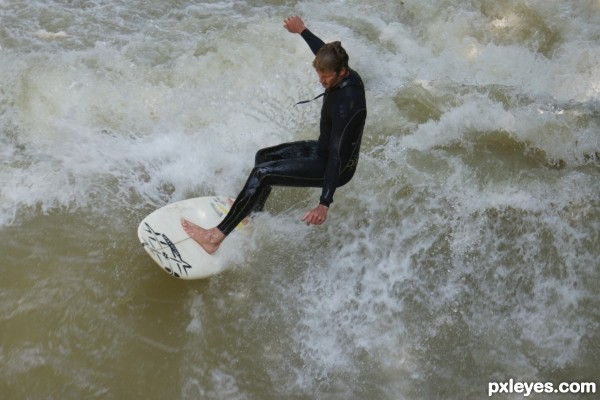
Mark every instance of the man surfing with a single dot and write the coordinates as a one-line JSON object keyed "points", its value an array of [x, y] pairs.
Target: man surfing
{"points": [[327, 163]]}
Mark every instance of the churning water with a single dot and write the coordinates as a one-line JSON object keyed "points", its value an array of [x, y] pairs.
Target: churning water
{"points": [[465, 250]]}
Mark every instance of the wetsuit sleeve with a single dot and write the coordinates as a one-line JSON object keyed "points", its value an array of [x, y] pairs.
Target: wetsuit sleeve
{"points": [[347, 122], [312, 40], [333, 168]]}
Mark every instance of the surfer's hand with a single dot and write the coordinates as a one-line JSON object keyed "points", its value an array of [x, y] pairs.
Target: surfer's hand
{"points": [[294, 24], [316, 216]]}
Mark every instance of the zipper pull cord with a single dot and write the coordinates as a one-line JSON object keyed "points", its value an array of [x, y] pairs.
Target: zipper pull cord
{"points": [[308, 101]]}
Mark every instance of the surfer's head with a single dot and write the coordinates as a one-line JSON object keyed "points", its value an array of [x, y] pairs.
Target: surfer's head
{"points": [[331, 63]]}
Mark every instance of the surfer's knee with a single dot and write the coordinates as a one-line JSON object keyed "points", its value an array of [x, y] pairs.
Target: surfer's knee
{"points": [[261, 156]]}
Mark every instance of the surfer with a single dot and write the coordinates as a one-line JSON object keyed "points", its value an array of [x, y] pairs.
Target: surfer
{"points": [[327, 163]]}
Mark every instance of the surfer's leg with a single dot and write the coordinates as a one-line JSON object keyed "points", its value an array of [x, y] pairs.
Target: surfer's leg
{"points": [[263, 195], [284, 151], [306, 169], [292, 150], [302, 172], [263, 156], [270, 160], [246, 200]]}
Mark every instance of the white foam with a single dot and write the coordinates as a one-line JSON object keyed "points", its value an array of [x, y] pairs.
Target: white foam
{"points": [[44, 34]]}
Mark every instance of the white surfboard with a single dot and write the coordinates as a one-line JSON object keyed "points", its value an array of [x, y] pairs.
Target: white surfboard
{"points": [[163, 237]]}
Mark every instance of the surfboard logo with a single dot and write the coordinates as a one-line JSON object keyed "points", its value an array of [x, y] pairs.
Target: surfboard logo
{"points": [[219, 207], [159, 245]]}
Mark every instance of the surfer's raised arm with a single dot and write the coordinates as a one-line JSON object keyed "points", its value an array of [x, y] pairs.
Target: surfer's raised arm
{"points": [[295, 24]]}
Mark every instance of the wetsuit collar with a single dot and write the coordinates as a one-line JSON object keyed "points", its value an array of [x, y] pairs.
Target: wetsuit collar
{"points": [[346, 81]]}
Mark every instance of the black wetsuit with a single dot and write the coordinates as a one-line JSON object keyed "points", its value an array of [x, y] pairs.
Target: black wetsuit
{"points": [[329, 162]]}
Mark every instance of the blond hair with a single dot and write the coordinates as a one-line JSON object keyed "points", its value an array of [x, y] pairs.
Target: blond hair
{"points": [[331, 57]]}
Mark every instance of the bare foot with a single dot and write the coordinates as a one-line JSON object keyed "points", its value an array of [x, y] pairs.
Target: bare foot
{"points": [[209, 239]]}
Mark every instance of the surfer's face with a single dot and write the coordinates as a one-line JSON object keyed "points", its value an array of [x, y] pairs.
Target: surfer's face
{"points": [[330, 78]]}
